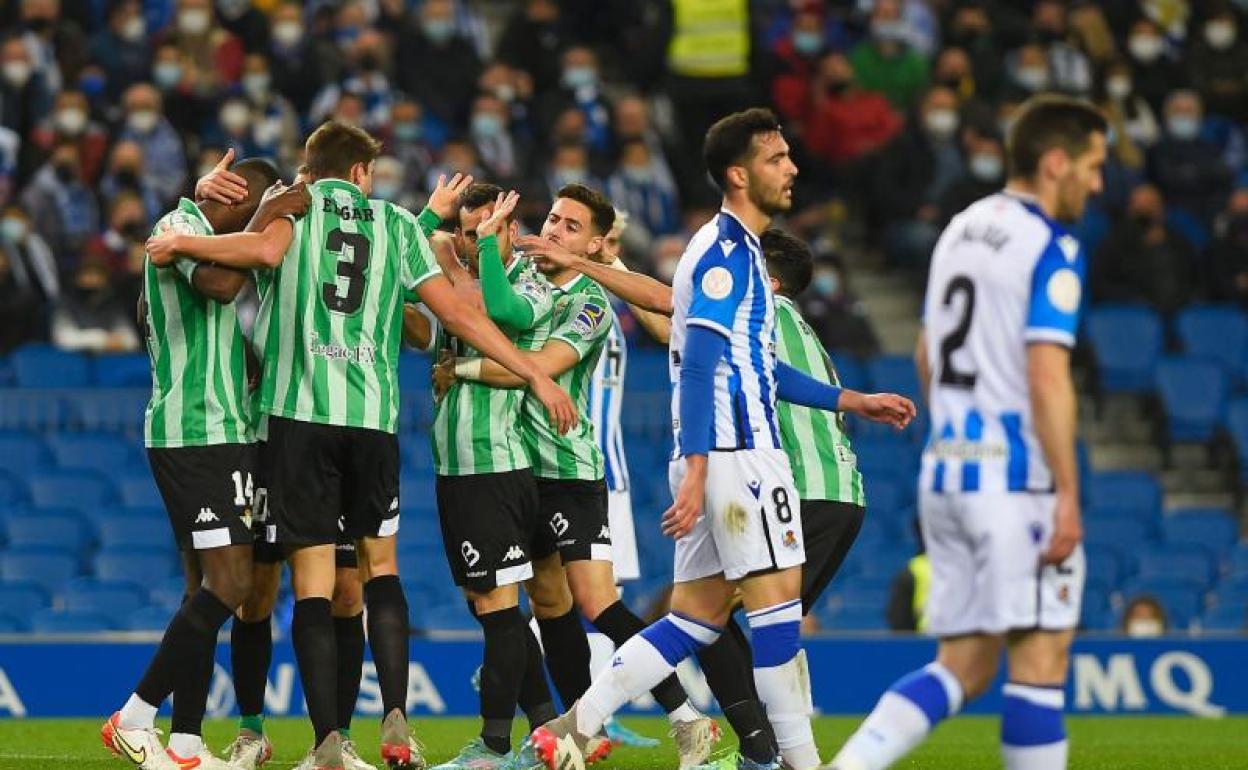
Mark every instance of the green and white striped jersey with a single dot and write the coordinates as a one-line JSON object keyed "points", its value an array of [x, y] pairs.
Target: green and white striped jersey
{"points": [[199, 372], [331, 319], [476, 428], [582, 318], [824, 466]]}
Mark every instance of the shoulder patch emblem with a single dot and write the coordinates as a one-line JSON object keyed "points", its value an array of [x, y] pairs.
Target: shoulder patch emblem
{"points": [[1064, 290], [717, 283], [589, 318]]}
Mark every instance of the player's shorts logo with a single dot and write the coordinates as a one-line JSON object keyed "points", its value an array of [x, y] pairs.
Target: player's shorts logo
{"points": [[205, 515], [559, 524], [471, 555], [790, 539], [514, 552]]}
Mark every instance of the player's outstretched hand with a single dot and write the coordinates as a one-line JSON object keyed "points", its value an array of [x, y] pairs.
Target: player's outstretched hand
{"points": [[221, 184], [445, 195], [160, 248], [503, 206], [443, 374], [559, 406], [1067, 530], [678, 520], [546, 252], [888, 408]]}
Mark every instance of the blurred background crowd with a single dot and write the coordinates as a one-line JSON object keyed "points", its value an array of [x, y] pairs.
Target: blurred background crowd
{"points": [[896, 109]]}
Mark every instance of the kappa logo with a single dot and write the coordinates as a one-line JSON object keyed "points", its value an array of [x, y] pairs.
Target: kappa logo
{"points": [[205, 515], [605, 532], [394, 504], [559, 524], [514, 552], [471, 555], [756, 487]]}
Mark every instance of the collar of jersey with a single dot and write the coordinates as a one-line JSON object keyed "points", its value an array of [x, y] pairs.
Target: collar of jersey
{"points": [[784, 300], [340, 184], [517, 265], [571, 286], [744, 227], [188, 205], [1032, 204]]}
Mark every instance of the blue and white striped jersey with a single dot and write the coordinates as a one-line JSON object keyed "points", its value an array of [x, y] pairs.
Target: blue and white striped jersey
{"points": [[1003, 275], [606, 395], [721, 284]]}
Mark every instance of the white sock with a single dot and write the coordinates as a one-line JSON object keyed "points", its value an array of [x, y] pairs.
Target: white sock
{"points": [[685, 712], [785, 689], [185, 745], [1049, 757], [601, 648], [902, 719], [138, 714]]}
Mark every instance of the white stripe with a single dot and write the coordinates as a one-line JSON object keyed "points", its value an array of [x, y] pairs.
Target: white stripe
{"points": [[698, 631], [515, 574], [388, 526], [1046, 697], [270, 533], [953, 689], [599, 552], [210, 538], [787, 612], [1036, 334]]}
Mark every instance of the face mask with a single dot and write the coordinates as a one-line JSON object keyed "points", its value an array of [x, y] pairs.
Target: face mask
{"points": [[370, 62], [287, 33], [826, 283], [941, 123], [16, 73], [637, 174], [1118, 87], [256, 85], [889, 31], [345, 37], [579, 77], [91, 84], [1183, 126], [142, 121], [133, 29], [127, 178], [408, 131], [487, 125], [234, 117], [70, 120], [385, 189], [573, 175], [167, 75], [438, 30], [985, 167], [1032, 78], [807, 43], [1146, 48], [1145, 627], [194, 21], [837, 87], [506, 92], [13, 229], [1220, 35], [66, 172]]}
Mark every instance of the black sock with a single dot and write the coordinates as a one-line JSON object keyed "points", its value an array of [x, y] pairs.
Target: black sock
{"points": [[534, 698], [619, 624], [567, 655], [349, 633], [729, 671], [389, 635], [312, 632], [190, 638], [251, 652], [501, 673]]}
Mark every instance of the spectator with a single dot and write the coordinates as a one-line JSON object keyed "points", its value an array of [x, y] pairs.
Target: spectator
{"points": [[390, 183], [490, 129], [972, 31], [365, 77], [1228, 253], [912, 176], [907, 596], [433, 44], [1187, 167], [1156, 73], [57, 46], [846, 122], [1028, 68], [216, 54], [63, 211], [885, 62], [91, 317], [644, 189], [1144, 260], [31, 268], [122, 48], [835, 313], [580, 87], [1091, 32], [276, 130], [793, 61], [1069, 69], [631, 120], [1133, 121], [70, 121], [985, 166], [25, 94], [407, 143], [147, 127], [667, 254], [126, 174], [10, 145], [248, 24], [531, 41], [302, 65], [569, 164], [515, 88], [458, 157], [952, 70], [1144, 618], [126, 233], [236, 129], [1218, 63]]}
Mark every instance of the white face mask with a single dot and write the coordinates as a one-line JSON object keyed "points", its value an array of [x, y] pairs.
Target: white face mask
{"points": [[16, 72], [1118, 87], [234, 117], [14, 230], [1220, 35], [287, 33], [1032, 78], [986, 167], [1146, 48], [941, 123], [1183, 126], [1145, 628], [70, 120], [133, 29], [256, 85], [142, 121], [194, 21]]}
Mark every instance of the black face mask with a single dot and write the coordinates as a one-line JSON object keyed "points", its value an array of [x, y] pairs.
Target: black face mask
{"points": [[1144, 221], [128, 178], [38, 26], [66, 172], [132, 231], [837, 87], [369, 63]]}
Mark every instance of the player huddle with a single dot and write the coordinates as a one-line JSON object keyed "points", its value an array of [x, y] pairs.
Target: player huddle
{"points": [[293, 455]]}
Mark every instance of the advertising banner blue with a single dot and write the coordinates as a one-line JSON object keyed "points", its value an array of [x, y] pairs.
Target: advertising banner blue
{"points": [[1203, 677]]}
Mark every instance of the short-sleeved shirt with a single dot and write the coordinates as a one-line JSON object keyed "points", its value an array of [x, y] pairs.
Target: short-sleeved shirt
{"points": [[582, 320], [1003, 275], [331, 319], [477, 428], [196, 347]]}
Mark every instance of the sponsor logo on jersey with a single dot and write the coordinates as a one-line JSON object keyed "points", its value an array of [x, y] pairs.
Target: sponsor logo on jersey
{"points": [[514, 552], [727, 245], [845, 455], [471, 555], [589, 318], [205, 515], [756, 487], [360, 354], [717, 283]]}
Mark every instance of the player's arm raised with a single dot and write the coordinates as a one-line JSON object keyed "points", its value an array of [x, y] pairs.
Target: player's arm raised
{"points": [[634, 288], [1053, 405]]}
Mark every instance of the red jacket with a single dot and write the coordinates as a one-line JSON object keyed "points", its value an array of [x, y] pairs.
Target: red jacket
{"points": [[844, 128]]}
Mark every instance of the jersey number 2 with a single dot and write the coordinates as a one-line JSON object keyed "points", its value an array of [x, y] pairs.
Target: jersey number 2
{"points": [[353, 266], [956, 338]]}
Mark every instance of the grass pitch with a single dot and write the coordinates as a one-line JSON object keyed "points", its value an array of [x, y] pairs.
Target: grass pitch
{"points": [[965, 743]]}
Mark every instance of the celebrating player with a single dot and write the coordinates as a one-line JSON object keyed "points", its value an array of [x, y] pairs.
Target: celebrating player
{"points": [[328, 330], [198, 433], [750, 538], [999, 487]]}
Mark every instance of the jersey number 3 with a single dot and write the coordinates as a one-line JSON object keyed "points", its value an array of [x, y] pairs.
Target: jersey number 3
{"points": [[352, 266], [949, 375]]}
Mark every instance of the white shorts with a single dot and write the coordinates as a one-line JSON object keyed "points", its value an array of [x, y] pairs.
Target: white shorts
{"points": [[751, 517], [985, 551], [623, 537]]}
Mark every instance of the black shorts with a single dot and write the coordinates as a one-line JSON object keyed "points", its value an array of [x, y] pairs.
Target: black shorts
{"points": [[207, 492], [265, 552], [574, 520], [488, 523], [829, 529], [316, 474]]}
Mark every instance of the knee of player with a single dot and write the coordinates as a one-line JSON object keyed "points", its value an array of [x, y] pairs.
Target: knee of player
{"points": [[348, 599], [262, 597], [593, 599]]}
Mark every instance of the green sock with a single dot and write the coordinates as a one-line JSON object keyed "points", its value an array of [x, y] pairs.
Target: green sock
{"points": [[345, 732], [254, 723]]}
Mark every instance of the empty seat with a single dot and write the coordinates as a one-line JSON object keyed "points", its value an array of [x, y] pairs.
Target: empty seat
{"points": [[112, 598], [123, 370], [1127, 343], [167, 592], [32, 410], [134, 565], [1178, 564], [851, 373], [1216, 332], [21, 599], [895, 374], [1132, 492], [73, 489], [47, 367], [450, 617], [1095, 613], [1211, 528], [150, 618], [61, 622], [647, 371], [122, 532], [853, 618], [11, 624], [50, 568], [103, 452], [1226, 618], [138, 490], [110, 411], [1106, 565], [23, 453], [1115, 530], [1182, 605], [1193, 394], [12, 491], [55, 528]]}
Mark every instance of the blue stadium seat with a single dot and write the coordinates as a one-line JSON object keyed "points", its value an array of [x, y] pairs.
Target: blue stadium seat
{"points": [[121, 532], [417, 486], [1178, 564], [12, 491], [73, 489], [889, 499], [134, 565], [110, 411], [1237, 427], [1216, 332], [853, 618], [53, 528], [102, 452], [21, 599], [22, 453], [1095, 613], [59, 622], [1105, 565], [10, 624], [32, 410], [450, 617], [1213, 528], [138, 490], [167, 592], [1127, 341], [123, 370], [1193, 394], [1231, 594], [1130, 492], [1182, 605], [50, 568], [851, 372], [1226, 618], [1122, 532], [46, 367], [112, 598], [150, 618], [895, 374]]}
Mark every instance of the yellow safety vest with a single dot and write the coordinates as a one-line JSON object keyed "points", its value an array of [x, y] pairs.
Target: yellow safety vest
{"points": [[921, 570], [710, 38]]}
